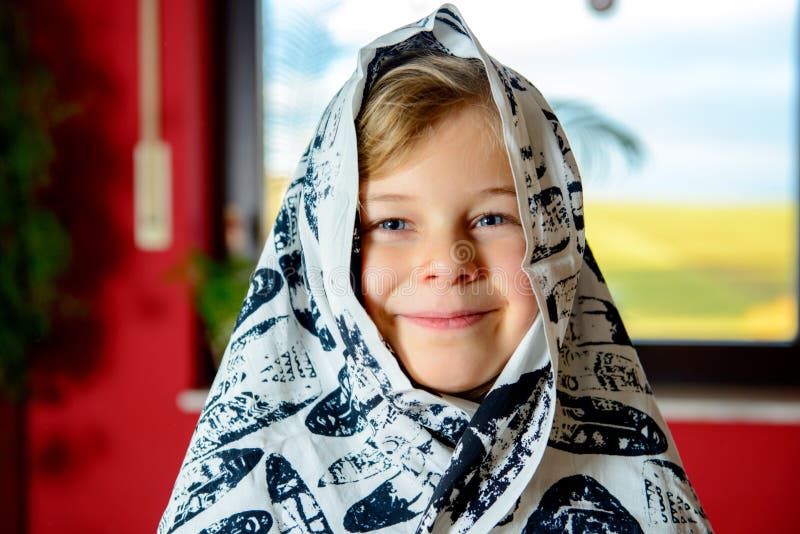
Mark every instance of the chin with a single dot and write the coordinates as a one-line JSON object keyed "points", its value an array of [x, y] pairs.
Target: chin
{"points": [[452, 374], [449, 384], [474, 390]]}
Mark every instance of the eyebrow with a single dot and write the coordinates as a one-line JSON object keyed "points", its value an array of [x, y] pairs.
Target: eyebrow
{"points": [[397, 197]]}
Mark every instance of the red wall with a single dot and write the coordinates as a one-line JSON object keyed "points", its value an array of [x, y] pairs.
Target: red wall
{"points": [[745, 474], [105, 437]]}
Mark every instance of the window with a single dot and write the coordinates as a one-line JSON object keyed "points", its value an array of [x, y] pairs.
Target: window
{"points": [[683, 118]]}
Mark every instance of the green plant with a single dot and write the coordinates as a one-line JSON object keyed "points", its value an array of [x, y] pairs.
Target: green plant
{"points": [[34, 247], [219, 288]]}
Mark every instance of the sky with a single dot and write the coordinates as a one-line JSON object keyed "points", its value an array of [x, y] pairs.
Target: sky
{"points": [[708, 87]]}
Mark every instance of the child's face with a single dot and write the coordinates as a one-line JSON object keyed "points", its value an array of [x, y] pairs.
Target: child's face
{"points": [[442, 247]]}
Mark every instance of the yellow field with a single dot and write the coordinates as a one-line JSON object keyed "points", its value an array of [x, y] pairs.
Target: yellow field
{"points": [[697, 272], [690, 272]]}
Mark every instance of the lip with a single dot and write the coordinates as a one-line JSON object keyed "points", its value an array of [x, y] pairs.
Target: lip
{"points": [[438, 320]]}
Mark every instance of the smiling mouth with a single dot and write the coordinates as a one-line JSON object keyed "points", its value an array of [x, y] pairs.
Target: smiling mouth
{"points": [[453, 322]]}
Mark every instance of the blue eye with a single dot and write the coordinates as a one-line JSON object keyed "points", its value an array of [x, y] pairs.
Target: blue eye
{"points": [[392, 224], [491, 220]]}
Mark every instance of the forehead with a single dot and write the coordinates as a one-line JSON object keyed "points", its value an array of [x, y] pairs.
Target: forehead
{"points": [[460, 155]]}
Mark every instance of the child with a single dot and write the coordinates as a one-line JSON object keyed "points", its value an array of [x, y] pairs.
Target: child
{"points": [[442, 240], [473, 373]]}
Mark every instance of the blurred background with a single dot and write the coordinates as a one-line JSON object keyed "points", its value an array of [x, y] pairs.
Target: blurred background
{"points": [[145, 147]]}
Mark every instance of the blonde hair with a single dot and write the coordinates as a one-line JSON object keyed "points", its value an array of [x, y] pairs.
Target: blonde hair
{"points": [[404, 106]]}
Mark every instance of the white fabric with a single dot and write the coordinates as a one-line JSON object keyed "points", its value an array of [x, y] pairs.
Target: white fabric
{"points": [[312, 426]]}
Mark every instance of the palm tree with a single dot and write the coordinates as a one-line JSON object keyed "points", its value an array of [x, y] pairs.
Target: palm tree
{"points": [[595, 137]]}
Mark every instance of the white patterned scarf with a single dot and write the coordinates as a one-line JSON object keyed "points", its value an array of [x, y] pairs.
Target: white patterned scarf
{"points": [[311, 426]]}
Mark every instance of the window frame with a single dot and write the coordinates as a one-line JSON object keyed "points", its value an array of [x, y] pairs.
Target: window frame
{"points": [[240, 172]]}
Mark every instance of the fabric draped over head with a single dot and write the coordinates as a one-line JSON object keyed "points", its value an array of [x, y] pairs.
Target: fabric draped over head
{"points": [[312, 426]]}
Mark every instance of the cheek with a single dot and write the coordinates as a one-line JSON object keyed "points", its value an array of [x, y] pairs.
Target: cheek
{"points": [[380, 271], [521, 295], [521, 284], [519, 292], [506, 264]]}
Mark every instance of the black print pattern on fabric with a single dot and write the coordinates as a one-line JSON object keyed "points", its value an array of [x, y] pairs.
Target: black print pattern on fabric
{"points": [[310, 425], [510, 517], [284, 229], [295, 508], [292, 365], [601, 324], [407, 485], [255, 332], [212, 478], [292, 266], [541, 169], [594, 425], [494, 447], [336, 414], [358, 351], [265, 284], [671, 500], [527, 153], [557, 131], [511, 82], [328, 125], [568, 162], [226, 385], [318, 185], [250, 522], [598, 370], [355, 261], [387, 505], [579, 504], [321, 167], [225, 422], [444, 424], [575, 190], [399, 499], [403, 463], [560, 297], [555, 225], [387, 57], [306, 314], [273, 328], [356, 466], [589, 261], [451, 19]]}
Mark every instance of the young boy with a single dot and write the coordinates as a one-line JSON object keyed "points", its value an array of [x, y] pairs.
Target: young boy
{"points": [[477, 377], [442, 241]]}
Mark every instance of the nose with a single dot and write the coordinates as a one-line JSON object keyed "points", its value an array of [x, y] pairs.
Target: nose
{"points": [[451, 262]]}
